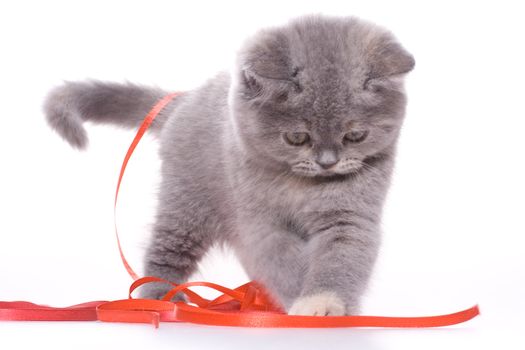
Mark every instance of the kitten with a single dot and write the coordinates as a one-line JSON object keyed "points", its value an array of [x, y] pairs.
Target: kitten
{"points": [[287, 160]]}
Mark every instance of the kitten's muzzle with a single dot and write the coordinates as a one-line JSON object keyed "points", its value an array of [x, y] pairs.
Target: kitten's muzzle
{"points": [[327, 159]]}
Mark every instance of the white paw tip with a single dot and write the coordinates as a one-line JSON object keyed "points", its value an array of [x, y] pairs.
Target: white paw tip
{"points": [[321, 304]]}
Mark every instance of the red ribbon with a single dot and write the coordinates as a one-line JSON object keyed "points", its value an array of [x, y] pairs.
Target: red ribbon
{"points": [[245, 306]]}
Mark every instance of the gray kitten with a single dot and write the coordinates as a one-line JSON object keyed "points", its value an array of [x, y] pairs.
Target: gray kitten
{"points": [[287, 160]]}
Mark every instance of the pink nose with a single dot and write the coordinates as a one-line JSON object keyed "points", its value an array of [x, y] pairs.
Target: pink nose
{"points": [[327, 159]]}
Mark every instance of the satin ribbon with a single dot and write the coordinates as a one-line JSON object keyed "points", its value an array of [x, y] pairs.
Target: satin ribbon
{"points": [[246, 306]]}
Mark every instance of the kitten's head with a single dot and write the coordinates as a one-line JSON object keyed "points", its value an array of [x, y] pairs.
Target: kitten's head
{"points": [[321, 95]]}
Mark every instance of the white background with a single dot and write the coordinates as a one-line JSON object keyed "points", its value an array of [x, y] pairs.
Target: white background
{"points": [[454, 218]]}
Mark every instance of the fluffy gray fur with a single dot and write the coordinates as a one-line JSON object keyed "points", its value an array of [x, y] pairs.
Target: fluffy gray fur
{"points": [[303, 219]]}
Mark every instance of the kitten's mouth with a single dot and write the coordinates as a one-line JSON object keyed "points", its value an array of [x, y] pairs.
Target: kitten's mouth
{"points": [[309, 169]]}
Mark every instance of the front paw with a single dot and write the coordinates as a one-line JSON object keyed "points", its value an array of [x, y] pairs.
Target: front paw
{"points": [[321, 304], [158, 291]]}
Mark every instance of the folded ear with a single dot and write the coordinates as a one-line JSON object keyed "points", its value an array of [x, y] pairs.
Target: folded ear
{"points": [[264, 65], [265, 78], [388, 59], [257, 87], [251, 83]]}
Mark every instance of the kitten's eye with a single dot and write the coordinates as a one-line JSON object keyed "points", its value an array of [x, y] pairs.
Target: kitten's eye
{"points": [[296, 138], [356, 136]]}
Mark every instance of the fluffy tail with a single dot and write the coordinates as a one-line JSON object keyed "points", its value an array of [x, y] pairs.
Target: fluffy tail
{"points": [[69, 105]]}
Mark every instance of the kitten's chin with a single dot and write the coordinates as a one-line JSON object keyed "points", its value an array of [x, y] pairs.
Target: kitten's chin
{"points": [[325, 173], [344, 167]]}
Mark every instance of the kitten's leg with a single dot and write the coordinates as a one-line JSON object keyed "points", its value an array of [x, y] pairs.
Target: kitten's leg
{"points": [[275, 258], [180, 239], [173, 255], [341, 257]]}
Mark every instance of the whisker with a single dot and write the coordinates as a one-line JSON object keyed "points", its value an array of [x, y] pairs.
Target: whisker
{"points": [[373, 169]]}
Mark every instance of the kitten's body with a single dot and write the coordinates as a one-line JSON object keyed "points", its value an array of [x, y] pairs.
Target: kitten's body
{"points": [[311, 238]]}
